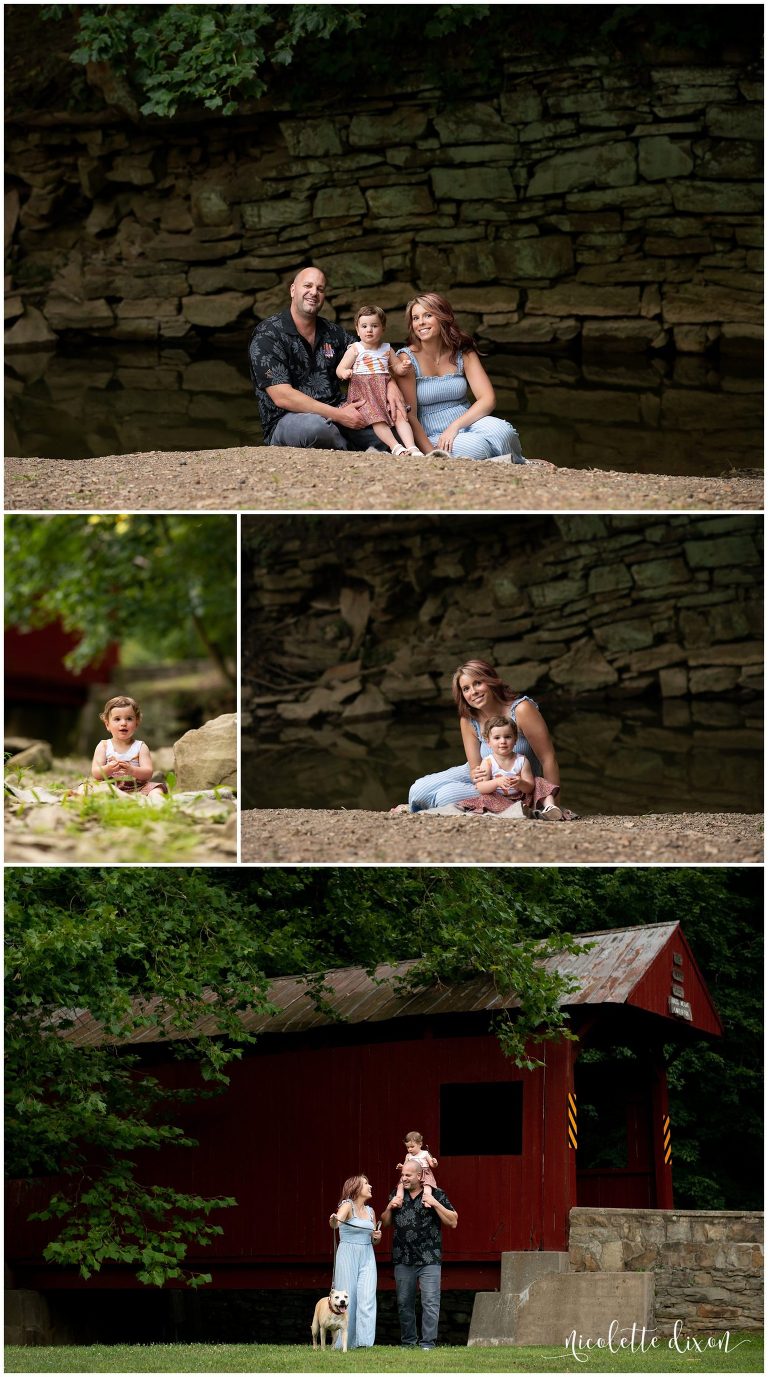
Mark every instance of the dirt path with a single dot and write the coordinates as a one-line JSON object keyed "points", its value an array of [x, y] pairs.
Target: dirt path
{"points": [[272, 479], [309, 836]]}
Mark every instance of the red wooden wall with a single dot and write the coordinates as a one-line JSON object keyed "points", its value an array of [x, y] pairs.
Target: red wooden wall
{"points": [[296, 1120]]}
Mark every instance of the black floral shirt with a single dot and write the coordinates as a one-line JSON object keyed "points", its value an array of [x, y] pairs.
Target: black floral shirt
{"points": [[279, 354], [417, 1237]]}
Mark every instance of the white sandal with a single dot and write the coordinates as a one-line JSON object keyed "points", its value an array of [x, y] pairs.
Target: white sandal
{"points": [[399, 450], [415, 453], [551, 813]]}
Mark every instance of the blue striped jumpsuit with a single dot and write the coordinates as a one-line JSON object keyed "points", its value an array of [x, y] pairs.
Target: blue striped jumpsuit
{"points": [[355, 1272], [441, 401]]}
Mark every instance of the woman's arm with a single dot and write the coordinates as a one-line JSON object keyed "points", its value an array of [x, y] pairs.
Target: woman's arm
{"points": [[526, 773], [471, 744], [408, 389], [485, 400], [533, 726], [341, 1214]]}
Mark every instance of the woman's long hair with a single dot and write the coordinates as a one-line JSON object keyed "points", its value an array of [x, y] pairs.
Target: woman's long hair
{"points": [[352, 1188], [480, 669], [453, 336]]}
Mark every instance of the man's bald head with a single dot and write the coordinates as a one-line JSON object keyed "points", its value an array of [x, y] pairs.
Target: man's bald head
{"points": [[307, 296]]}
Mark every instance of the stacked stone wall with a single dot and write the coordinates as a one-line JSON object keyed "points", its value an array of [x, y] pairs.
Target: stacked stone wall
{"points": [[708, 1264], [359, 615], [581, 199]]}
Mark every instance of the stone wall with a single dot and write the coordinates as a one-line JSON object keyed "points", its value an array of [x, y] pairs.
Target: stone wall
{"points": [[583, 199], [347, 618], [223, 1315], [708, 1264]]}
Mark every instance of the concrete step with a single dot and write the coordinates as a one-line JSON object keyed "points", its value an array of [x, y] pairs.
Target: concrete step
{"points": [[559, 1307]]}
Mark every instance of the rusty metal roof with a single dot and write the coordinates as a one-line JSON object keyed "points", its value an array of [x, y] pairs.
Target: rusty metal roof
{"points": [[606, 970]]}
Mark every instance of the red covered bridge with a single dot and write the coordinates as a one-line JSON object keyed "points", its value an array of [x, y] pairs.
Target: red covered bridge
{"points": [[317, 1100]]}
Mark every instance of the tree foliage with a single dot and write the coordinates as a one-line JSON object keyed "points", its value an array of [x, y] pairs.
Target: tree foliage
{"points": [[168, 581], [216, 57], [140, 948]]}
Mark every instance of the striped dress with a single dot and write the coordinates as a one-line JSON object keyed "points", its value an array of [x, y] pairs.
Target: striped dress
{"points": [[441, 401]]}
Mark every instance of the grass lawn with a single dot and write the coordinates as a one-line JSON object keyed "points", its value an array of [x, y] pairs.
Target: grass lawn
{"points": [[745, 1355]]}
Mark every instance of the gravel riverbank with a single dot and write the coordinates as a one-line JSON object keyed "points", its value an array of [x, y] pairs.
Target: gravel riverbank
{"points": [[312, 836], [280, 479]]}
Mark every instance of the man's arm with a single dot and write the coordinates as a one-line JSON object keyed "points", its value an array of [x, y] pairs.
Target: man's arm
{"points": [[449, 1217], [290, 399], [386, 1218]]}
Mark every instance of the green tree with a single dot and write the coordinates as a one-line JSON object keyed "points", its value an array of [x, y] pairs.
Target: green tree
{"points": [[168, 581], [155, 59]]}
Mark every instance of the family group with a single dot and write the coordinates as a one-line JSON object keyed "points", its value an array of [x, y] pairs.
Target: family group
{"points": [[410, 402], [416, 1211]]}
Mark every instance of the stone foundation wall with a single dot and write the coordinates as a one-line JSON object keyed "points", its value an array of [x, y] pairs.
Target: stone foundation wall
{"points": [[708, 1264], [619, 205], [358, 615], [37, 1319]]}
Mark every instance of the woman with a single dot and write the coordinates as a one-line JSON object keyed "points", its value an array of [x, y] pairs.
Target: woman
{"points": [[355, 1269], [479, 695], [445, 360]]}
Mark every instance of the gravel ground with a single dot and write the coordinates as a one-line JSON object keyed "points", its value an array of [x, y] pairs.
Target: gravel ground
{"points": [[275, 479], [312, 836]]}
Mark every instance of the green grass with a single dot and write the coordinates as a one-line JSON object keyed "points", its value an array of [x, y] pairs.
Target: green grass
{"points": [[746, 1355]]}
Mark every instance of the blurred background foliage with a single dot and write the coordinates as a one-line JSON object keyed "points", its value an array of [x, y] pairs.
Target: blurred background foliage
{"points": [[164, 587]]}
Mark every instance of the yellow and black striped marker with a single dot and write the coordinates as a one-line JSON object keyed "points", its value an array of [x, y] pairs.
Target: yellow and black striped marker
{"points": [[666, 1135], [572, 1129]]}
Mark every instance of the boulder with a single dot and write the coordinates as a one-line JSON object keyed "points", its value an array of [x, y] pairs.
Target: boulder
{"points": [[547, 255], [36, 756], [11, 214], [343, 201], [582, 299], [370, 704], [475, 123], [398, 201], [65, 314], [602, 165], [311, 138], [223, 309], [660, 158], [206, 757], [473, 184], [31, 332], [583, 668], [402, 125]]}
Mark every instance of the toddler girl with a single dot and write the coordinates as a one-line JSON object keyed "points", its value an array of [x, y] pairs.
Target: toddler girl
{"points": [[508, 775], [123, 760], [416, 1152], [368, 366]]}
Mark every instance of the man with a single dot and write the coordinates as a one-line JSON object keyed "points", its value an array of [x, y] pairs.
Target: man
{"points": [[294, 356], [417, 1253]]}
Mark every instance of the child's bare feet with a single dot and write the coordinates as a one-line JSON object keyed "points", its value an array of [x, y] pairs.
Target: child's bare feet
{"points": [[428, 1198], [397, 1198]]}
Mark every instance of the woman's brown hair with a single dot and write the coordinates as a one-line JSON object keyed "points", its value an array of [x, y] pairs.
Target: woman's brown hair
{"points": [[352, 1188], [453, 336], [480, 669]]}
